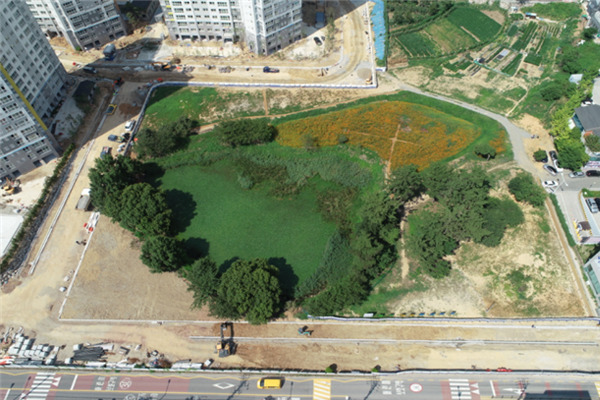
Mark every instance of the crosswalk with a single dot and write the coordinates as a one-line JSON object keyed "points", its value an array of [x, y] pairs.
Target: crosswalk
{"points": [[597, 388], [322, 389], [42, 383], [461, 389]]}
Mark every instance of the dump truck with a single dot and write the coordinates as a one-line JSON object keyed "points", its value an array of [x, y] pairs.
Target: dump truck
{"points": [[269, 70], [84, 200]]}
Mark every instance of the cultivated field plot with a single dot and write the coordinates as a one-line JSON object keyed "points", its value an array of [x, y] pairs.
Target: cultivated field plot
{"points": [[463, 28], [418, 134], [114, 284]]}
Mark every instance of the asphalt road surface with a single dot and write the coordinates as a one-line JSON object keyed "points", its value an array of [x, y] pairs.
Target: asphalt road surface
{"points": [[41, 385]]}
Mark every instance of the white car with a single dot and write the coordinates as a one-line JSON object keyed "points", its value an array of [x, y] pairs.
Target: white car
{"points": [[129, 125], [558, 168], [549, 184], [576, 174]]}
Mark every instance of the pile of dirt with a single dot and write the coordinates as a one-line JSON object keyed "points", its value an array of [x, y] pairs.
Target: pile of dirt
{"points": [[129, 109]]}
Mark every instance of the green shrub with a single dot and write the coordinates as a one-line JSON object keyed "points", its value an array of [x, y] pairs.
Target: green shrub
{"points": [[593, 143], [525, 189], [243, 132], [540, 155]]}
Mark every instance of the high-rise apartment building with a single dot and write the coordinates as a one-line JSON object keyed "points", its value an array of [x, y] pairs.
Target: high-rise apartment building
{"points": [[265, 25], [85, 24], [32, 83]]}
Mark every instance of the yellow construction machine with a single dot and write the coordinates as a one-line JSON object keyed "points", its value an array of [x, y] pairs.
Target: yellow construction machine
{"points": [[11, 186]]}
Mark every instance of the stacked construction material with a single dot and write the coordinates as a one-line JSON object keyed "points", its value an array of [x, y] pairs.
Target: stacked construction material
{"points": [[23, 350], [87, 353]]}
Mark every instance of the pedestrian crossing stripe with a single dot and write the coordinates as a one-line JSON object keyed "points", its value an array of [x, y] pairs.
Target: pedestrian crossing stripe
{"points": [[40, 387], [597, 387], [322, 389]]}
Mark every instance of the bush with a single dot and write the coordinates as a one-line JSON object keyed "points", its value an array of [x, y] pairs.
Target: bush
{"points": [[571, 153], [593, 143], [485, 150], [162, 254], [243, 132], [553, 91], [166, 140], [540, 155], [526, 190], [500, 214]]}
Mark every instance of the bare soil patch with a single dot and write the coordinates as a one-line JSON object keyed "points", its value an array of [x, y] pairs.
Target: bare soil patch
{"points": [[114, 284], [495, 15]]}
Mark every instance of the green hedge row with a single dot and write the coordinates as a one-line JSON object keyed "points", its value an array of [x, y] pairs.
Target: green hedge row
{"points": [[562, 219]]}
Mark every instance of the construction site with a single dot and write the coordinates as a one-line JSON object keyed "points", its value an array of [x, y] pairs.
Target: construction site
{"points": [[86, 298]]}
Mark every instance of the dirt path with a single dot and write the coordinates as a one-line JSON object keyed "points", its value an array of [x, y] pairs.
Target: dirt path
{"points": [[265, 102], [388, 169]]}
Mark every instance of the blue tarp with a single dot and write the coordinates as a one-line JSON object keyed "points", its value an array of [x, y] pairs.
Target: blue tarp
{"points": [[321, 17], [378, 22]]}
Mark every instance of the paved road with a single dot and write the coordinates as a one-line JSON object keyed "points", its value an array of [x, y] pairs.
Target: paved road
{"points": [[418, 386]]}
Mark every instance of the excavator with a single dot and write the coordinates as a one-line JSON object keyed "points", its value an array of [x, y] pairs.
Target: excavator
{"points": [[11, 186], [226, 347]]}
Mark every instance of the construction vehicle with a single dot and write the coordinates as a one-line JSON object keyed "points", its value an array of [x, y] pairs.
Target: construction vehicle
{"points": [[304, 331], [226, 347], [111, 109], [105, 151], [117, 82], [269, 70], [162, 66], [11, 186], [369, 80], [84, 200]]}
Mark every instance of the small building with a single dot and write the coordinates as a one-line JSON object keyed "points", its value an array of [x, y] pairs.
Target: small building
{"points": [[85, 92], [587, 119], [592, 271], [576, 78]]}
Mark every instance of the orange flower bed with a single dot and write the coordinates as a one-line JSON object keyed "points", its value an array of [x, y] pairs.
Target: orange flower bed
{"points": [[499, 143], [421, 134]]}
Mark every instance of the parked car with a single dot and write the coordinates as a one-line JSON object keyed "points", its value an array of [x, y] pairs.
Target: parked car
{"points": [[129, 125], [576, 174], [592, 172], [90, 70], [553, 155], [550, 169], [557, 166], [318, 41], [592, 205], [549, 183], [111, 109]]}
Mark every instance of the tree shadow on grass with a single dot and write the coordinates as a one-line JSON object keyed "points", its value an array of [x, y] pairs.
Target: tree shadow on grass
{"points": [[287, 278], [153, 173], [226, 264], [196, 248], [183, 209]]}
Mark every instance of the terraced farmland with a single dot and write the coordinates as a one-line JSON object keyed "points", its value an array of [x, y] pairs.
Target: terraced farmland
{"points": [[450, 37]]}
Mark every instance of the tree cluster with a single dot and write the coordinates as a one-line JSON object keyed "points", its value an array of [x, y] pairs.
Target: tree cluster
{"points": [[247, 289], [462, 210], [164, 140], [138, 207], [244, 132], [413, 11]]}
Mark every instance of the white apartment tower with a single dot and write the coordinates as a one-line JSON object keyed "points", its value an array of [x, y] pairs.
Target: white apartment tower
{"points": [[32, 83], [265, 25], [85, 24]]}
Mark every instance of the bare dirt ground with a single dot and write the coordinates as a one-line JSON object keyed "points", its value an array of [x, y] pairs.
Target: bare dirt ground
{"points": [[114, 284], [31, 185]]}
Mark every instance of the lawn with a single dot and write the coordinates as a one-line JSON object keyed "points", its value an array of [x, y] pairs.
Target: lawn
{"points": [[450, 37], [417, 44], [203, 104], [555, 11], [214, 215]]}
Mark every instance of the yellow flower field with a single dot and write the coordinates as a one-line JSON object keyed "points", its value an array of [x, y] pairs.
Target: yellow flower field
{"points": [[419, 134]]}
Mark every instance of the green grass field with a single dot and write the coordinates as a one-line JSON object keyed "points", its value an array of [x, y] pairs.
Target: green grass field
{"points": [[449, 37], [214, 215], [207, 105]]}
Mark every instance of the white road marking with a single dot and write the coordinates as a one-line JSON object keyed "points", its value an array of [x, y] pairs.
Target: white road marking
{"points": [[493, 390], [74, 381]]}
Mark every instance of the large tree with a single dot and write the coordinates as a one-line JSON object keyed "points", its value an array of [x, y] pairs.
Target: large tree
{"points": [[141, 209], [525, 189], [203, 281], [110, 176], [162, 254], [248, 289], [242, 132], [164, 140], [406, 183]]}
